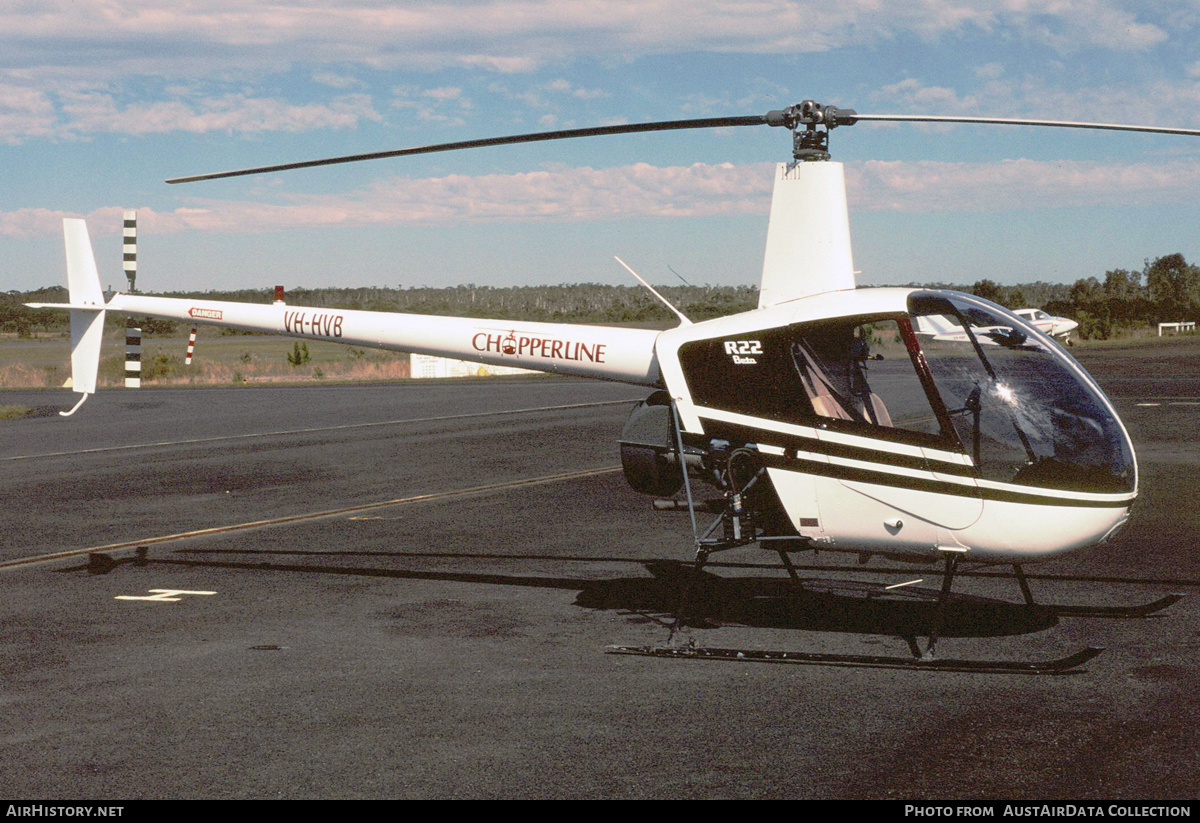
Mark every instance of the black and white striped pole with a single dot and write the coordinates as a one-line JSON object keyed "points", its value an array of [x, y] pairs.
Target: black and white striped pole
{"points": [[133, 356], [133, 334], [130, 249]]}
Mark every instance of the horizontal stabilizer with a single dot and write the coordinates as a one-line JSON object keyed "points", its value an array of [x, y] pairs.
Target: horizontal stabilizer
{"points": [[64, 306]]}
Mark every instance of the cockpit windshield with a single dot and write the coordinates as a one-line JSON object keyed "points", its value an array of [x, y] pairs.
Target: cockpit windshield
{"points": [[1020, 406]]}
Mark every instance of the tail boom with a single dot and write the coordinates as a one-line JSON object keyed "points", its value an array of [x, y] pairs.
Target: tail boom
{"points": [[609, 353], [603, 352]]}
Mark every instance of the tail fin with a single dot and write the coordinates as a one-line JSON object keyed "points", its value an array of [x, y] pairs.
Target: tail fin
{"points": [[86, 308]]}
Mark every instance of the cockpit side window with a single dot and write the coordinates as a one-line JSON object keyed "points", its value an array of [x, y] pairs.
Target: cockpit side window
{"points": [[854, 374], [862, 373]]}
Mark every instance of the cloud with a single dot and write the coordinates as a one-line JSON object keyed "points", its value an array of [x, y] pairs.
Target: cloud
{"points": [[642, 190], [170, 38], [554, 195], [24, 113], [1068, 26], [70, 69], [24, 223], [446, 105], [1165, 102], [232, 113], [931, 186]]}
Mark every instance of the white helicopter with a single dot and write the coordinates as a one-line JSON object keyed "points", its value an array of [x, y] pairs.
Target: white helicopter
{"points": [[827, 419]]}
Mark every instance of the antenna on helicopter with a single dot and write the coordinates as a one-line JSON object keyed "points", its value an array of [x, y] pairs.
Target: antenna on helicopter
{"points": [[682, 319]]}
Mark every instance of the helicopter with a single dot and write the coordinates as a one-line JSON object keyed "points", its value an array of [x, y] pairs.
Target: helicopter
{"points": [[914, 424]]}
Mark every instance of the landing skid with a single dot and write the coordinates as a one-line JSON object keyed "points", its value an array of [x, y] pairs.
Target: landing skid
{"points": [[1114, 612], [940, 602], [1117, 612], [738, 524], [1063, 665], [875, 590]]}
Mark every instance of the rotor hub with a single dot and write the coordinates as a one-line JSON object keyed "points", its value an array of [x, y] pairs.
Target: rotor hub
{"points": [[811, 142]]}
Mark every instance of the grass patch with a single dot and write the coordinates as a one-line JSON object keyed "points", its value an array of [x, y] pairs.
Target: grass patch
{"points": [[14, 411], [223, 360]]}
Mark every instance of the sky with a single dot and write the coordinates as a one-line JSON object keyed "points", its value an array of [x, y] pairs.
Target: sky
{"points": [[101, 101]]}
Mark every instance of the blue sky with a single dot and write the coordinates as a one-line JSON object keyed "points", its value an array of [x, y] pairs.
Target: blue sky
{"points": [[101, 101]]}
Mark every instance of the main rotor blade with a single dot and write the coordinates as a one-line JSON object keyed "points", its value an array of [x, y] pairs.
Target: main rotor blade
{"points": [[566, 134], [806, 113], [1010, 121]]}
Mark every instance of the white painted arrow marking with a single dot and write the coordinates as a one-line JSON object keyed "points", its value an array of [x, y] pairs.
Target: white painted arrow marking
{"points": [[162, 595]]}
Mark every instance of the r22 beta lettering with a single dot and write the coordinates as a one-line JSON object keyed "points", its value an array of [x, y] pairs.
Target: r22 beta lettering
{"points": [[740, 351], [743, 347]]}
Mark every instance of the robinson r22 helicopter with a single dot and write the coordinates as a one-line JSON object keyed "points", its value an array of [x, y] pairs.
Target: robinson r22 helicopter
{"points": [[916, 424]]}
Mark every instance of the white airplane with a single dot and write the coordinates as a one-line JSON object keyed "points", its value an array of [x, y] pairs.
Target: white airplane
{"points": [[942, 329], [824, 420], [1057, 327]]}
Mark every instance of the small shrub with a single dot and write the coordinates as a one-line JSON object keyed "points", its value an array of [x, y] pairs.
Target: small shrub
{"points": [[299, 354]]}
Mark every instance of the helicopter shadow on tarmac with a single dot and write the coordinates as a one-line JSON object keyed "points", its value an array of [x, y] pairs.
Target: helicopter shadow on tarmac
{"points": [[701, 599], [705, 600]]}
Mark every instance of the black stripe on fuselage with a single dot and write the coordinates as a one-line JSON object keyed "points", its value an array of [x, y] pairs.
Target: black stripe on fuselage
{"points": [[735, 432], [793, 460]]}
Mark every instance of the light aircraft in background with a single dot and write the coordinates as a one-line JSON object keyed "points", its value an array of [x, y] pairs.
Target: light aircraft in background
{"points": [[826, 419], [1057, 327]]}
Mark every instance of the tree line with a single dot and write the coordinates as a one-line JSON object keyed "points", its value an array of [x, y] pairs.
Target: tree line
{"points": [[1166, 290], [579, 303]]}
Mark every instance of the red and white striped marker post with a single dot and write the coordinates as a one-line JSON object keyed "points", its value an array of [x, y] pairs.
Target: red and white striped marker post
{"points": [[191, 348]]}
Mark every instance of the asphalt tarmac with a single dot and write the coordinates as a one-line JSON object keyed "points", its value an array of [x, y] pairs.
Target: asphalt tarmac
{"points": [[424, 607]]}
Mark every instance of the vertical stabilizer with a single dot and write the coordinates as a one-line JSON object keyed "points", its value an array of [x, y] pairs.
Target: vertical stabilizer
{"points": [[808, 236], [86, 307]]}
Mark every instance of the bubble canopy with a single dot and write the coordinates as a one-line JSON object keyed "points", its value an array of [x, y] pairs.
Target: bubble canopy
{"points": [[1021, 406]]}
